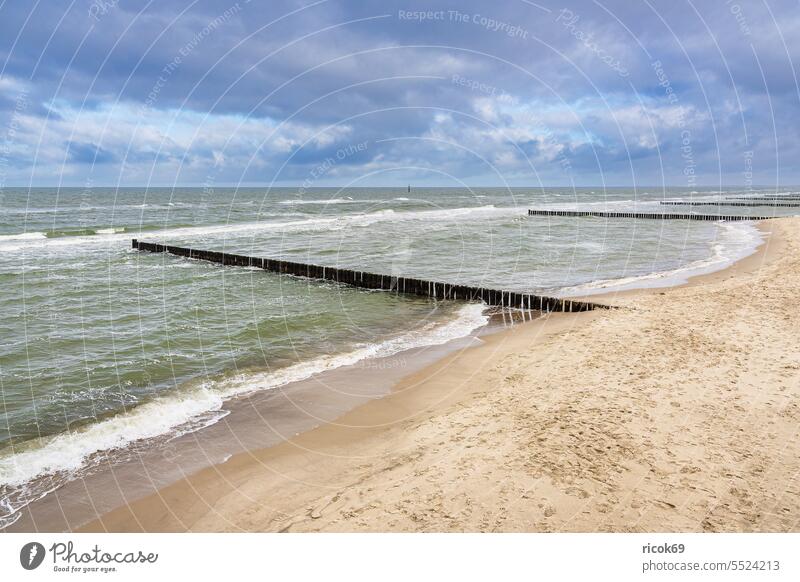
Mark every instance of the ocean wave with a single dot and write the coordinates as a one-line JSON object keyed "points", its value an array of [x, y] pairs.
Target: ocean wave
{"points": [[80, 210], [51, 234], [309, 224], [23, 236], [197, 406], [89, 231], [615, 205], [346, 200]]}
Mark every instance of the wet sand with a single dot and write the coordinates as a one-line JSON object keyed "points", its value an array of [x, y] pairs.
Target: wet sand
{"points": [[678, 411], [261, 419]]}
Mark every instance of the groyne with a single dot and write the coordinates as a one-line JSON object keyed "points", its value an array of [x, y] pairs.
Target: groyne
{"points": [[752, 202], [769, 198], [391, 283], [650, 215]]}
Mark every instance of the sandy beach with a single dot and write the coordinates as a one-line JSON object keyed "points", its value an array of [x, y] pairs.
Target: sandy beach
{"points": [[677, 411]]}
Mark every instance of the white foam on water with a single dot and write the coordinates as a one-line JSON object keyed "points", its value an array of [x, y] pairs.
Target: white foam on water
{"points": [[23, 236], [737, 240], [601, 205], [29, 241], [328, 201], [192, 408]]}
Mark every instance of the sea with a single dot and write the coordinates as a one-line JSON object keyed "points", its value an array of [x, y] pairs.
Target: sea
{"points": [[108, 354]]}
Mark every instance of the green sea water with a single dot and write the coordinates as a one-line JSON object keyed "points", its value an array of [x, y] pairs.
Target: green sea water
{"points": [[102, 346]]}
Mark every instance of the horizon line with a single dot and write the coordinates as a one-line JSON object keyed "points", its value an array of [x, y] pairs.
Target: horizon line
{"points": [[342, 187]]}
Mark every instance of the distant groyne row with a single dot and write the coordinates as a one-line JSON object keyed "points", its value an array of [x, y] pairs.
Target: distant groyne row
{"points": [[768, 198], [752, 202], [364, 280], [650, 215]]}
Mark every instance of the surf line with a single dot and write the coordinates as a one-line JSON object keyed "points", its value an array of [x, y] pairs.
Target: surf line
{"points": [[391, 283]]}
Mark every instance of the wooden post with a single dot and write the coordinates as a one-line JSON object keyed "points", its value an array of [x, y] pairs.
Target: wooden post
{"points": [[434, 289]]}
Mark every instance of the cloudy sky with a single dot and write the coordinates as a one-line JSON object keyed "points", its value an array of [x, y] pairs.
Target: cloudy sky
{"points": [[181, 92]]}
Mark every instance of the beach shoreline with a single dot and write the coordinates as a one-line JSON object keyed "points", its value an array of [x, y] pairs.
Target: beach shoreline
{"points": [[276, 352], [502, 437]]}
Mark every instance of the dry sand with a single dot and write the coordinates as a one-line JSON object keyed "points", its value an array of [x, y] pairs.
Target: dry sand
{"points": [[679, 411]]}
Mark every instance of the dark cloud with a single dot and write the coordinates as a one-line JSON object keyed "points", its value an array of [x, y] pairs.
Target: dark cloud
{"points": [[87, 153]]}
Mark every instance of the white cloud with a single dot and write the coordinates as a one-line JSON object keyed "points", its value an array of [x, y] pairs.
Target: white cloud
{"points": [[139, 135]]}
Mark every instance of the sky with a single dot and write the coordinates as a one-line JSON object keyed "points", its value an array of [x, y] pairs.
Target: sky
{"points": [[344, 93]]}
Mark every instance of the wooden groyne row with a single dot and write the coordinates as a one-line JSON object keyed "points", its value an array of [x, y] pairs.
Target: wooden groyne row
{"points": [[762, 202], [434, 289], [651, 215], [764, 198]]}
